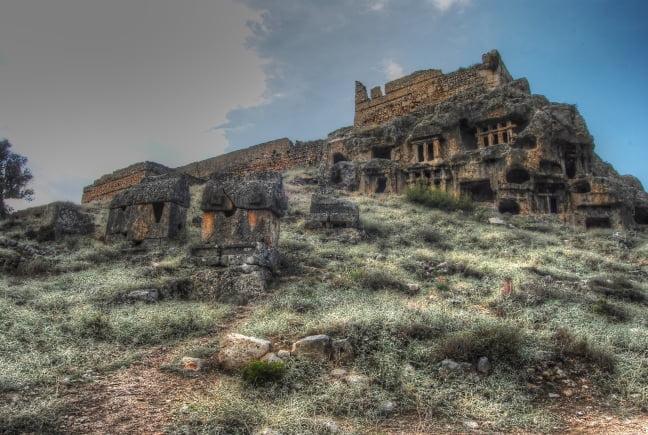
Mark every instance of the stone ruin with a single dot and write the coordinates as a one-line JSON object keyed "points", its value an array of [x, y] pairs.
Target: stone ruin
{"points": [[327, 211], [240, 235], [152, 212], [494, 141], [475, 131]]}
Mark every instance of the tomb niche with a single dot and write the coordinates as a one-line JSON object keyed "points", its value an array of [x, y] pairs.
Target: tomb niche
{"points": [[152, 212], [240, 236]]}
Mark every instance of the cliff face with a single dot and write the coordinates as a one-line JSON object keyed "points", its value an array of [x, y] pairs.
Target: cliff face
{"points": [[505, 146]]}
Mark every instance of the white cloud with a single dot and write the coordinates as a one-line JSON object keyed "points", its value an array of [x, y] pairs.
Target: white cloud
{"points": [[377, 5], [444, 5], [392, 70]]}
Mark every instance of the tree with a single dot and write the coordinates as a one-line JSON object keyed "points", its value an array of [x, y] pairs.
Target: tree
{"points": [[14, 176]]}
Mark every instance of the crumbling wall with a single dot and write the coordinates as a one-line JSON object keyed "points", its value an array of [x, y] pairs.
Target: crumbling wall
{"points": [[421, 88], [108, 186], [276, 155]]}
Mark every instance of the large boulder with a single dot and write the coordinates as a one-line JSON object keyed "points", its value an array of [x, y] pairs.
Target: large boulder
{"points": [[238, 350]]}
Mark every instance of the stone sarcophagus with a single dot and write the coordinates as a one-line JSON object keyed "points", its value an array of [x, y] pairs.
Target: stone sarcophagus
{"points": [[240, 234], [152, 211], [241, 220], [327, 211]]}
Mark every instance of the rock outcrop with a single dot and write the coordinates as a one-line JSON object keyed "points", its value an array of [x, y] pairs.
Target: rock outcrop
{"points": [[505, 146]]}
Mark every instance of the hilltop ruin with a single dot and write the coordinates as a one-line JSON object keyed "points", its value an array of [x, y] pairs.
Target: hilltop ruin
{"points": [[476, 131]]}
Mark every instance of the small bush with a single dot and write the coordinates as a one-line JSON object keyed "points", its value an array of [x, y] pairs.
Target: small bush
{"points": [[441, 284], [605, 308], [618, 288], [497, 342], [262, 372], [96, 325], [436, 198], [377, 280], [567, 346]]}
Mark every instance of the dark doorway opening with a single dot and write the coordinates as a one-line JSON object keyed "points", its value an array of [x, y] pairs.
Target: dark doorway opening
{"points": [[582, 186], [381, 153], [641, 215], [518, 176], [158, 209], [381, 185], [553, 205], [479, 191], [339, 157], [421, 152], [468, 137], [598, 222], [509, 206]]}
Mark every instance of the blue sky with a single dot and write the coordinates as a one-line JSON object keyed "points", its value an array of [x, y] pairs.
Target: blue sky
{"points": [[89, 87]]}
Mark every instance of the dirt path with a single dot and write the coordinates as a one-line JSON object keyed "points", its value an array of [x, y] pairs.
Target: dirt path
{"points": [[141, 399]]}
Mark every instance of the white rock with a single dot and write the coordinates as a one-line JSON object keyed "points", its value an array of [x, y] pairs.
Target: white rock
{"points": [[192, 364], [484, 366], [496, 221], [238, 350], [338, 373], [271, 357], [283, 354]]}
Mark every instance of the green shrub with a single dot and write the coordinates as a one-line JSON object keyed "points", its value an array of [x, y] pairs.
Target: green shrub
{"points": [[497, 342], [375, 280], [605, 308], [567, 346], [437, 198], [263, 372]]}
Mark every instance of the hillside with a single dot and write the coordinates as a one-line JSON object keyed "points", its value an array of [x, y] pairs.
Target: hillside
{"points": [[420, 294]]}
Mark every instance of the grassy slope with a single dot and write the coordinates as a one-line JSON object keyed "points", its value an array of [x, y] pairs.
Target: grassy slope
{"points": [[60, 326]]}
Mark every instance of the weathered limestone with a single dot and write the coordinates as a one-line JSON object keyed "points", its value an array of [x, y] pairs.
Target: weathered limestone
{"points": [[496, 142], [153, 211], [238, 350], [327, 211], [108, 186], [475, 131], [240, 235]]}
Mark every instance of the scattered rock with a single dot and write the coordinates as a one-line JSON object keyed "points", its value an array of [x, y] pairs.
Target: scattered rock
{"points": [[448, 364], [331, 426], [356, 379], [496, 221], [339, 373], [342, 350], [271, 357], [146, 295], [484, 366], [413, 289], [388, 406], [238, 350], [316, 346], [192, 364], [553, 395], [470, 424], [283, 355]]}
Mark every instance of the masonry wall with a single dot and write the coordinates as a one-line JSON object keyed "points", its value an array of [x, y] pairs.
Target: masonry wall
{"points": [[110, 185], [276, 155], [426, 87]]}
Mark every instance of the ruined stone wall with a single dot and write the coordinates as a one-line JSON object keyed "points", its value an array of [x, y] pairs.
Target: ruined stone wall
{"points": [[276, 155], [108, 186], [427, 87]]}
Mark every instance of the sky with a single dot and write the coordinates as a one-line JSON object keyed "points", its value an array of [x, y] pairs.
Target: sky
{"points": [[91, 86]]}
